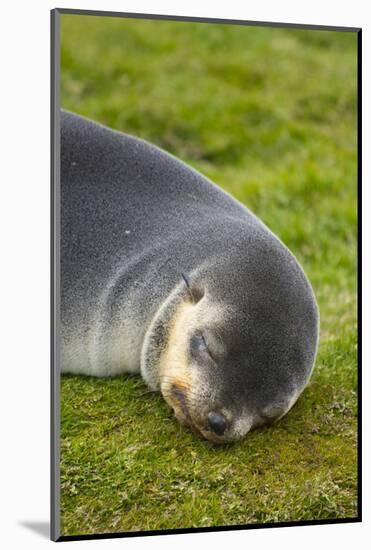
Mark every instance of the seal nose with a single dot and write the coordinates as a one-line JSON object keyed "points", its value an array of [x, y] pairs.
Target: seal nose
{"points": [[216, 423]]}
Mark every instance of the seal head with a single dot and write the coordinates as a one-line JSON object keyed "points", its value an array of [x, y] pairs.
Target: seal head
{"points": [[234, 346]]}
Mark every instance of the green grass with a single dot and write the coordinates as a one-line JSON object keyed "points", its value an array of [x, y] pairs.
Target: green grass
{"points": [[269, 115]]}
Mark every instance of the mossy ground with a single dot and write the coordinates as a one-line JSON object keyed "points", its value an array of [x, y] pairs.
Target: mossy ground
{"points": [[270, 115]]}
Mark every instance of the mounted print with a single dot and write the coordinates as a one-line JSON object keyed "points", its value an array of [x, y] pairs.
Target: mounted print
{"points": [[204, 284]]}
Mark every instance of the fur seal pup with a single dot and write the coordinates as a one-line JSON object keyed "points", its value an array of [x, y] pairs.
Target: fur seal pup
{"points": [[165, 274]]}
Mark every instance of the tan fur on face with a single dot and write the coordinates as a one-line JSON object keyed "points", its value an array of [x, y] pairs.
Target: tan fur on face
{"points": [[174, 368], [180, 384]]}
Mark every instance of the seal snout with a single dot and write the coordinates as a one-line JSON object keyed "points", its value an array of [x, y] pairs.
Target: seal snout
{"points": [[216, 423], [178, 395]]}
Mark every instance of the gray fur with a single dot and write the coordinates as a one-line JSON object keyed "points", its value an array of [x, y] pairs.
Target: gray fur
{"points": [[133, 219]]}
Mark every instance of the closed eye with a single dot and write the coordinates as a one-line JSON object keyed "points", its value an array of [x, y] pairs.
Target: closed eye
{"points": [[199, 346]]}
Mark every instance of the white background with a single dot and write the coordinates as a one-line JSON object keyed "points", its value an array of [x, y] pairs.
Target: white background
{"points": [[24, 249]]}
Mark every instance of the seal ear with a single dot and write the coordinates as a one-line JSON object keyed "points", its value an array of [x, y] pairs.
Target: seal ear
{"points": [[195, 292]]}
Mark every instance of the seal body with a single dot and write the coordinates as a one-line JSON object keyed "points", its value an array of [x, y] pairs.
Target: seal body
{"points": [[165, 274]]}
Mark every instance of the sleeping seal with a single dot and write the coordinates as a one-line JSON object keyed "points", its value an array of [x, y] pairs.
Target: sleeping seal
{"points": [[165, 274]]}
